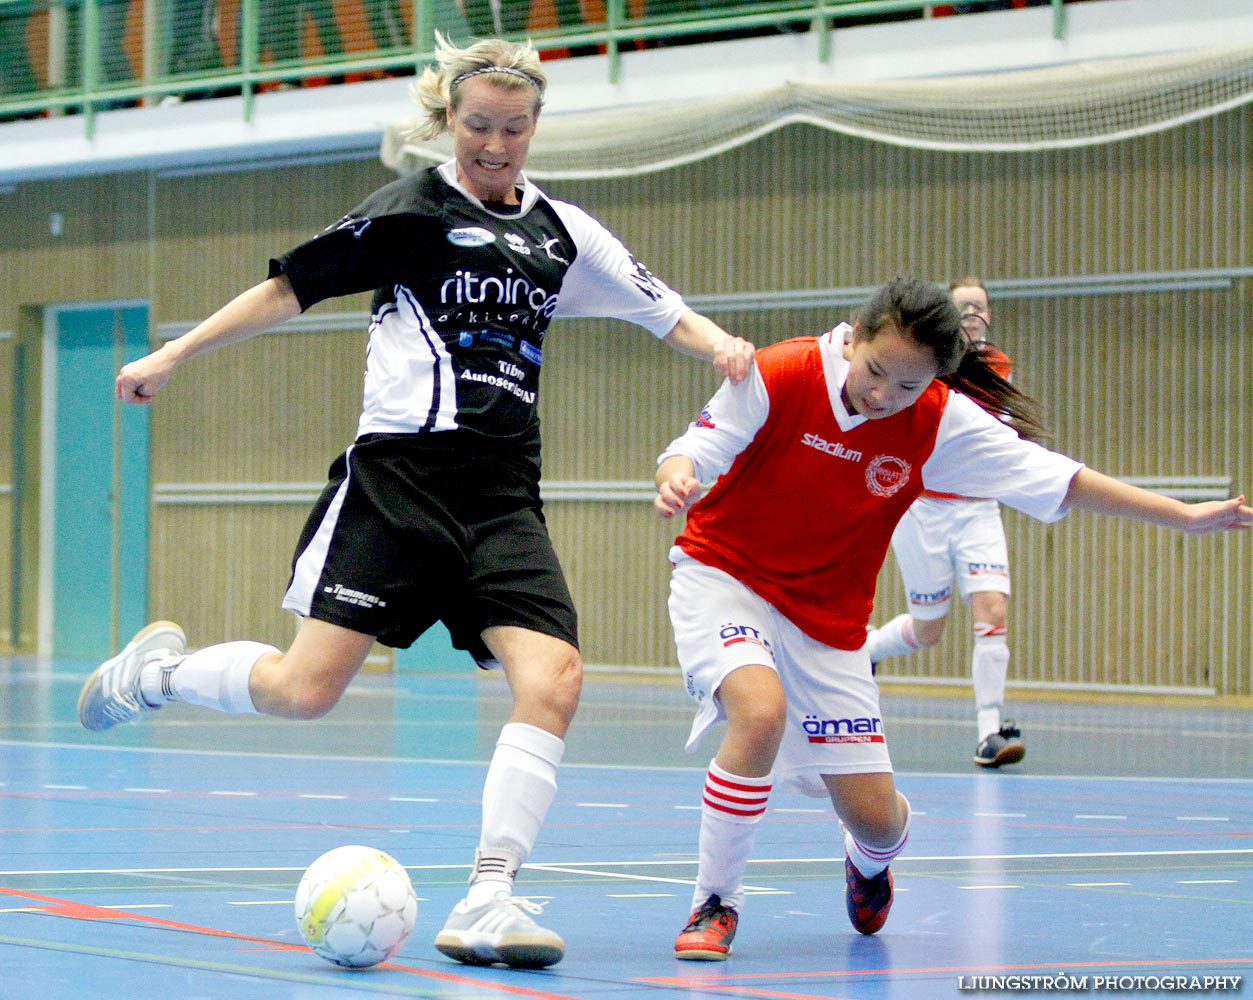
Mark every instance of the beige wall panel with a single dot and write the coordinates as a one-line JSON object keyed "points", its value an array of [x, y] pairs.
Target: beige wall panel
{"points": [[102, 253], [615, 558], [277, 408], [7, 361], [217, 233], [221, 572], [1150, 384]]}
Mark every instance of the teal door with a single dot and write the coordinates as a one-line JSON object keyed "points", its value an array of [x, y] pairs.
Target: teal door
{"points": [[99, 527]]}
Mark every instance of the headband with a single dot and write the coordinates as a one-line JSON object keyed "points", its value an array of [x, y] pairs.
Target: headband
{"points": [[496, 69]]}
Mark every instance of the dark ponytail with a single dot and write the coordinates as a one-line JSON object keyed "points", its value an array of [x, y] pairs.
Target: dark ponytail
{"points": [[978, 376]]}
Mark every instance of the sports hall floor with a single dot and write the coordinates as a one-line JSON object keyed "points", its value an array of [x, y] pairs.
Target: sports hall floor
{"points": [[161, 860]]}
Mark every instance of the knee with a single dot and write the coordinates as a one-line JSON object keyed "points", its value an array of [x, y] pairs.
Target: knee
{"points": [[758, 721], [548, 696], [989, 607], [762, 723], [879, 821], [567, 684], [300, 696], [928, 632]]}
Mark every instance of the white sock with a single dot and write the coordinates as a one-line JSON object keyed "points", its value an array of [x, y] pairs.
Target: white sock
{"points": [[870, 861], [896, 638], [521, 784], [215, 677], [733, 808], [155, 686], [989, 667]]}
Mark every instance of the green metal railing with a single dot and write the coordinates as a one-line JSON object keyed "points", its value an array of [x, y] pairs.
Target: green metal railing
{"points": [[79, 56]]}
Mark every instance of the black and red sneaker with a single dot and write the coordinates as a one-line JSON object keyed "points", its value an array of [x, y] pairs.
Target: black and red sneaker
{"points": [[708, 934], [868, 899]]}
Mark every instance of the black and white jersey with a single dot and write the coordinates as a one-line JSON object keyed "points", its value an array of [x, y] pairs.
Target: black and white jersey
{"points": [[464, 295]]}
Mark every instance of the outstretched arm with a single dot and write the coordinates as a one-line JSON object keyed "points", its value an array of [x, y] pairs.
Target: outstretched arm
{"points": [[258, 309], [1093, 491], [701, 337]]}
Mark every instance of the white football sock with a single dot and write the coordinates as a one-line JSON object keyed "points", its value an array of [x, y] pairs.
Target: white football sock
{"points": [[870, 861], [215, 677], [896, 638], [989, 668], [521, 784], [732, 809]]}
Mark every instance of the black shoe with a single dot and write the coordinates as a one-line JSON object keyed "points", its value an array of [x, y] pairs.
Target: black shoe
{"points": [[1004, 747]]}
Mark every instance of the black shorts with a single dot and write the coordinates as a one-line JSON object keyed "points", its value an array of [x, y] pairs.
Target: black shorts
{"points": [[410, 531]]}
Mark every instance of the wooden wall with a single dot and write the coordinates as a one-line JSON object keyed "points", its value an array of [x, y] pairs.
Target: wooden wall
{"points": [[1153, 383]]}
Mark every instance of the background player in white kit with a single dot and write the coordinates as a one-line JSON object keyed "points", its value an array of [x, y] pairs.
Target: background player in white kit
{"points": [[434, 511], [816, 456], [942, 538]]}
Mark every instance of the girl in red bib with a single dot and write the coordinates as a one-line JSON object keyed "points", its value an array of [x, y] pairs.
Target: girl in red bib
{"points": [[816, 456]]}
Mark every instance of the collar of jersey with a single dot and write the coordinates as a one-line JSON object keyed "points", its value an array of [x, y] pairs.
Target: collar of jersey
{"points": [[835, 371], [530, 193]]}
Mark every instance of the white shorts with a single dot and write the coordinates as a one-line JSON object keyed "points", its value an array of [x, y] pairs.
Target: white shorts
{"points": [[938, 540], [833, 720]]}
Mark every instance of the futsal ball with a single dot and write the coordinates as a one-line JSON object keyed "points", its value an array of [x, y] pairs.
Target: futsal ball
{"points": [[355, 906]]}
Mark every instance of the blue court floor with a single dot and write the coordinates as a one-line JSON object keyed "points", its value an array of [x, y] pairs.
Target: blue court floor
{"points": [[161, 859]]}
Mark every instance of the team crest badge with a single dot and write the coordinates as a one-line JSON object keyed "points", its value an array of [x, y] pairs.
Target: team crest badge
{"points": [[886, 475]]}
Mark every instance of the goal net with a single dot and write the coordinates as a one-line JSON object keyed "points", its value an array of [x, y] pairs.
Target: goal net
{"points": [[1077, 104]]}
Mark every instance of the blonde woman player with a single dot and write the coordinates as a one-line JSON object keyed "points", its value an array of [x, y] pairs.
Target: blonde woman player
{"points": [[814, 459], [945, 537], [433, 514]]}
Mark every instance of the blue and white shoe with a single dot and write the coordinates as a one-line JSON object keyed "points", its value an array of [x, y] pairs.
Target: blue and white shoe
{"points": [[1004, 747], [500, 930], [111, 694]]}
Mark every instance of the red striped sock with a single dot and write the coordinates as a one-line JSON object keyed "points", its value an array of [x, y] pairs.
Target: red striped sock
{"points": [[733, 806]]}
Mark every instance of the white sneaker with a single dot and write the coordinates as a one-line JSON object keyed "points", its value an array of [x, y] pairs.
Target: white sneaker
{"points": [[111, 694], [500, 931]]}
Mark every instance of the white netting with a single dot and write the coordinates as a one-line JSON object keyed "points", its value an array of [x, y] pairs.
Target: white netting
{"points": [[1079, 104]]}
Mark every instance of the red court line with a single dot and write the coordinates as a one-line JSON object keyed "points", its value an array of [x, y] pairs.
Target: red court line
{"points": [[749, 990], [89, 911]]}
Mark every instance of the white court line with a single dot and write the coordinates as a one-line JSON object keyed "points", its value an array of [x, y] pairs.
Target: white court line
{"points": [[565, 870], [559, 866], [96, 749], [136, 906], [640, 895]]}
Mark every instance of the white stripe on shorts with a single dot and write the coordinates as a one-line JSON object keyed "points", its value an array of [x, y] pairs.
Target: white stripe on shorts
{"points": [[309, 565]]}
